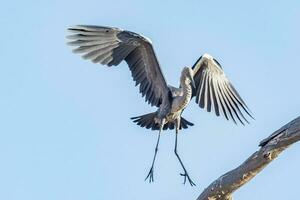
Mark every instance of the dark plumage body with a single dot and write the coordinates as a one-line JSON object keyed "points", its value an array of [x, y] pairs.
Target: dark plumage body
{"points": [[205, 81], [171, 114]]}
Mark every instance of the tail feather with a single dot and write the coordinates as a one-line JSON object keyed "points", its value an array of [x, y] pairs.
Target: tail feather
{"points": [[148, 122]]}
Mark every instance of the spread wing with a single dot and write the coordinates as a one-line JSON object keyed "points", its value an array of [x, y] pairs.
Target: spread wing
{"points": [[109, 46], [214, 91]]}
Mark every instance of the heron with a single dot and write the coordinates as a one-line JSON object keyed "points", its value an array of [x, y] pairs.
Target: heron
{"points": [[205, 81]]}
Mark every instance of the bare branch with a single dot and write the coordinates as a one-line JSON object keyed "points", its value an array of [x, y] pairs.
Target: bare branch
{"points": [[271, 147]]}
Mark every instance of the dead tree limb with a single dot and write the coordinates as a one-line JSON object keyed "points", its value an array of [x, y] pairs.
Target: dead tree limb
{"points": [[271, 147]]}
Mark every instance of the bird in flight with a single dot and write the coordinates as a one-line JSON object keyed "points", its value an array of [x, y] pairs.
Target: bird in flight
{"points": [[205, 81]]}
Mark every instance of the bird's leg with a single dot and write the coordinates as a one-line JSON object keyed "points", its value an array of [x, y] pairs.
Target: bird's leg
{"points": [[150, 174], [185, 174]]}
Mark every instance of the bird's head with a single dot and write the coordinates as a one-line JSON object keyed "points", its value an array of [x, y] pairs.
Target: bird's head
{"points": [[188, 75]]}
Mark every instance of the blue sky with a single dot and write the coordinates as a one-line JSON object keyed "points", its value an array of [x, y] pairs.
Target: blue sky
{"points": [[65, 128]]}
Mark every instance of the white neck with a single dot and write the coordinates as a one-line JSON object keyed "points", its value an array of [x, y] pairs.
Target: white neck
{"points": [[184, 82], [186, 86]]}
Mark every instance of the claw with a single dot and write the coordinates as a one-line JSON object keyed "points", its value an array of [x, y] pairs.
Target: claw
{"points": [[150, 176], [189, 179]]}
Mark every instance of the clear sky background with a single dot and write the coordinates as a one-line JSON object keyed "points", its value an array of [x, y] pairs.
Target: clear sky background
{"points": [[65, 132]]}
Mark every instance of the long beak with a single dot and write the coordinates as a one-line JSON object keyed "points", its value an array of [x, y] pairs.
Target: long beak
{"points": [[193, 82]]}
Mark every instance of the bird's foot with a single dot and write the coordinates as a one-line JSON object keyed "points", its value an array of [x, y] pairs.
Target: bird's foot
{"points": [[186, 176], [150, 175]]}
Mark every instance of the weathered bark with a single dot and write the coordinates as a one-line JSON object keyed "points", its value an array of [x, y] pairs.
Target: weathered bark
{"points": [[271, 147]]}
